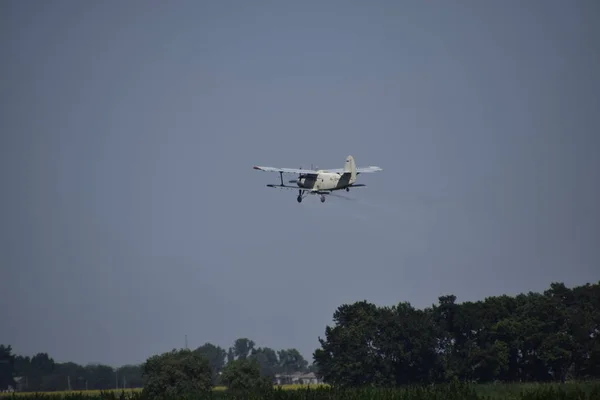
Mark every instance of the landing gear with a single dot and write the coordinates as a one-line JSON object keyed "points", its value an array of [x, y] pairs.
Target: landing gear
{"points": [[302, 194], [347, 189]]}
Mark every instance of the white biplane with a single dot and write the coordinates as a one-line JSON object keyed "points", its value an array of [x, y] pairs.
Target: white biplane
{"points": [[321, 182]]}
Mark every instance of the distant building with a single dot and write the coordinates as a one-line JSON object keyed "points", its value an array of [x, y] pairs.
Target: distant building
{"points": [[297, 378], [20, 383]]}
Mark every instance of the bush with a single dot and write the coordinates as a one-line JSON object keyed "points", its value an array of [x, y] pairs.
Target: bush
{"points": [[176, 374], [243, 376]]}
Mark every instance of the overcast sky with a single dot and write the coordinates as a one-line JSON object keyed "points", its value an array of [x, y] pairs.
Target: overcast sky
{"points": [[131, 215]]}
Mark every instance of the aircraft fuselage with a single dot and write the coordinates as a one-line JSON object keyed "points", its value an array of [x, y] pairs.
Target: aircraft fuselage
{"points": [[324, 181]]}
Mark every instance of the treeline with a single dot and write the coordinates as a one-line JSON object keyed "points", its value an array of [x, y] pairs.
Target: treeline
{"points": [[541, 337], [549, 336], [42, 373]]}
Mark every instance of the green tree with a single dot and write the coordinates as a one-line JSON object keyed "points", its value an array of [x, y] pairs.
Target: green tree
{"points": [[72, 373], [267, 360], [22, 368], [176, 373], [410, 344], [314, 368], [36, 370], [449, 340], [554, 335], [348, 355], [230, 355], [131, 376], [243, 376], [100, 377], [215, 356], [242, 348], [290, 361], [583, 324], [7, 364]]}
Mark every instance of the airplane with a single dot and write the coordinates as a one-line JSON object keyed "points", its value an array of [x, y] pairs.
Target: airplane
{"points": [[322, 182]]}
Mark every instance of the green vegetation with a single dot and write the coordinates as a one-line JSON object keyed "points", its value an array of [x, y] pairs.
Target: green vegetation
{"points": [[41, 373], [450, 391], [531, 346], [176, 374], [243, 376], [534, 337]]}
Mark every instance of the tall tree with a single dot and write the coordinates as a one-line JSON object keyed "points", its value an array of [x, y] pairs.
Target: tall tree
{"points": [[290, 361], [348, 356], [215, 356], [242, 376], [242, 348], [177, 374], [230, 355], [131, 376], [7, 364], [267, 360], [546, 336], [101, 376]]}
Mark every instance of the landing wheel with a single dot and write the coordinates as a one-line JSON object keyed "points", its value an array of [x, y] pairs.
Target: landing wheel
{"points": [[322, 199], [299, 199], [347, 189]]}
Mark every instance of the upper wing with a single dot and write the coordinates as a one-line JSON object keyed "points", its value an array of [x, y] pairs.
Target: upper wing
{"points": [[286, 170], [362, 170], [310, 171]]}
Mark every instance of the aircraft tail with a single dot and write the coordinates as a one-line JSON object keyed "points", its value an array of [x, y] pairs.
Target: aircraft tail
{"points": [[350, 167]]}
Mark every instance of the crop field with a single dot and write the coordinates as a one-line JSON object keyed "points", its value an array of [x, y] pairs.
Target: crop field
{"points": [[517, 391], [130, 392]]}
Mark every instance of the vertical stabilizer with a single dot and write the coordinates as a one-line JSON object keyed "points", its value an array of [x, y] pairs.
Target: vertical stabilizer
{"points": [[350, 167]]}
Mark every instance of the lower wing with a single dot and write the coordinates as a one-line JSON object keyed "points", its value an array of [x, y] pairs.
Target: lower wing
{"points": [[315, 191], [297, 188]]}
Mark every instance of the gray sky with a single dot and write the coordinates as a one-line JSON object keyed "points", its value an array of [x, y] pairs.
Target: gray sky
{"points": [[131, 215]]}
